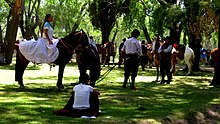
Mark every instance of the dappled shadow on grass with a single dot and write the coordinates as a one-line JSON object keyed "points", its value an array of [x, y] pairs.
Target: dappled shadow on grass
{"points": [[158, 100], [35, 103]]}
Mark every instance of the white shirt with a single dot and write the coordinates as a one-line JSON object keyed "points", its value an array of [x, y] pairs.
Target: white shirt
{"points": [[81, 96], [50, 30], [92, 42], [132, 46]]}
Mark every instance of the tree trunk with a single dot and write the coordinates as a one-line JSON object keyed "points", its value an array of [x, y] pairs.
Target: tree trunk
{"points": [[11, 33], [175, 34], [146, 34], [105, 34], [114, 36], [194, 31]]}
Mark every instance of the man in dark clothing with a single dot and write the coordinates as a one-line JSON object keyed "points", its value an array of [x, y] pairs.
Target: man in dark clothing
{"points": [[121, 54], [143, 59], [165, 60], [132, 49]]}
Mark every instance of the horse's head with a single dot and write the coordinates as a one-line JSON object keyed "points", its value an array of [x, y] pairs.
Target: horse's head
{"points": [[75, 39]]}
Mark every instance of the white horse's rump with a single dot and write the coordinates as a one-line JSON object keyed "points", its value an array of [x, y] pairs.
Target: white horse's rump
{"points": [[184, 52], [189, 58]]}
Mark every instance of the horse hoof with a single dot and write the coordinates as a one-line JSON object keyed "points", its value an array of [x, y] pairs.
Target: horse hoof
{"points": [[60, 87], [22, 87], [188, 74]]}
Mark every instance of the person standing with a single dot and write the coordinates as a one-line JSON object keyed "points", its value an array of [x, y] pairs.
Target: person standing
{"points": [[165, 60], [132, 49], [143, 58], [121, 54]]}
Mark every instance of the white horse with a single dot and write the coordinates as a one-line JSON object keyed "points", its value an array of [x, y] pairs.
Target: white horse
{"points": [[186, 53]]}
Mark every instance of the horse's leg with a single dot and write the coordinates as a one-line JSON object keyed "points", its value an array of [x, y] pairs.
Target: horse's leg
{"points": [[189, 65], [94, 74], [157, 67], [20, 66], [113, 59], [60, 76], [108, 60]]}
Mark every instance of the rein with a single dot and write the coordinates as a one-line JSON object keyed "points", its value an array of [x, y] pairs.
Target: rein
{"points": [[68, 46]]}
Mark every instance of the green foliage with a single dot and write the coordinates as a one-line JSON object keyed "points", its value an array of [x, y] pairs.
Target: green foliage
{"points": [[65, 13], [165, 18], [216, 4], [4, 10]]}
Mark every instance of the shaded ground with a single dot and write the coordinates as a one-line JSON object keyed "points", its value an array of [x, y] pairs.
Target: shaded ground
{"points": [[188, 99]]}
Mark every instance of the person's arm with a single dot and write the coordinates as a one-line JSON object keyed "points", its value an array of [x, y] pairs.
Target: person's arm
{"points": [[160, 49], [123, 48], [170, 47], [46, 34], [139, 49], [96, 92]]}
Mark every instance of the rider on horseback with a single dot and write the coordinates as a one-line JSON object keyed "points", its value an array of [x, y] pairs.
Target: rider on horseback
{"points": [[43, 50]]}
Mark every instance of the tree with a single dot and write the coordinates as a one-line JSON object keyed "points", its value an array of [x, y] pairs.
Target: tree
{"points": [[12, 27], [67, 14], [104, 14], [29, 19], [194, 29], [4, 8], [169, 15], [138, 16]]}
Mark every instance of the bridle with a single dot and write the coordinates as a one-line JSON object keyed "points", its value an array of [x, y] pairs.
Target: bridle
{"points": [[70, 48]]}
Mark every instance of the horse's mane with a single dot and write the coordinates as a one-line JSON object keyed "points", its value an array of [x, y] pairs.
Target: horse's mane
{"points": [[76, 37]]}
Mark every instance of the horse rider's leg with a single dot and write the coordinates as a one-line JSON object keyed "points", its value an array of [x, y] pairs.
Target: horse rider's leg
{"points": [[60, 76]]}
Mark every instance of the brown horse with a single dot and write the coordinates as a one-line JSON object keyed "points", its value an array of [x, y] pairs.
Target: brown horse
{"points": [[156, 56], [87, 58], [215, 63], [108, 52]]}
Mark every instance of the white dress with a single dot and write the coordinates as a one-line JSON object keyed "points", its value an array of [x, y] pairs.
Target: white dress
{"points": [[40, 51]]}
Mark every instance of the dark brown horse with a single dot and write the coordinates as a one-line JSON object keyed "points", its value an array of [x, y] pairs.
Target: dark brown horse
{"points": [[156, 56], [109, 51], [86, 58], [215, 62]]}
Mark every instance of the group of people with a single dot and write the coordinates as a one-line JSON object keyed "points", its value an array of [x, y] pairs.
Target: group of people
{"points": [[84, 100], [134, 54]]}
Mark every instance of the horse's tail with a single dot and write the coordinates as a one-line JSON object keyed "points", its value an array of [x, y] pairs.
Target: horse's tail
{"points": [[193, 55]]}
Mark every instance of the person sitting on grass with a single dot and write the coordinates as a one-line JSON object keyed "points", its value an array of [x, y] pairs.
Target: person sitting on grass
{"points": [[83, 102]]}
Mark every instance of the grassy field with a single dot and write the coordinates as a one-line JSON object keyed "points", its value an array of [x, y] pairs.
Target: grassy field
{"points": [[151, 103]]}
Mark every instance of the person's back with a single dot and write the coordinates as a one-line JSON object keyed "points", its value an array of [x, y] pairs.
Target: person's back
{"points": [[82, 95]]}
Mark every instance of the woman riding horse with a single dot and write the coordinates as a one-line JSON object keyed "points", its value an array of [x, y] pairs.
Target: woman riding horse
{"points": [[66, 47]]}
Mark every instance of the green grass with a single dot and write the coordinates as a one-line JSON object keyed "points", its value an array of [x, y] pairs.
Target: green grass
{"points": [[35, 104]]}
